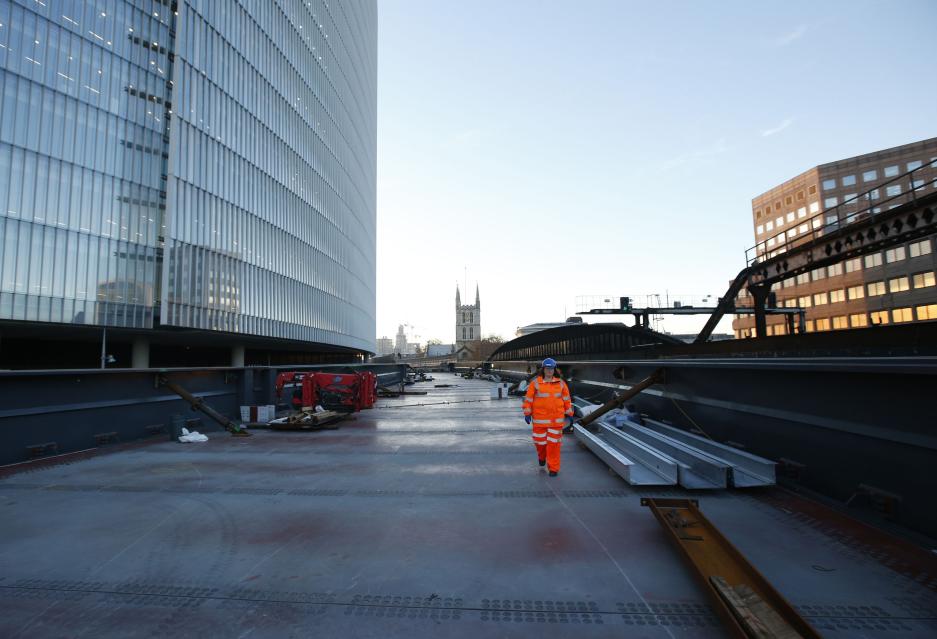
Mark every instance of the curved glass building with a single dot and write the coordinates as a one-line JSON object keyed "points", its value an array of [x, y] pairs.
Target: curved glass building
{"points": [[190, 168]]}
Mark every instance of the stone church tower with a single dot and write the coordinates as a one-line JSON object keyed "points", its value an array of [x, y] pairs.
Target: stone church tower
{"points": [[468, 323]]}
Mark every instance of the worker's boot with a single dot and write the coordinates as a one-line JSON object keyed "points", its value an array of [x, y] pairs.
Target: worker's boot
{"points": [[542, 462], [554, 473]]}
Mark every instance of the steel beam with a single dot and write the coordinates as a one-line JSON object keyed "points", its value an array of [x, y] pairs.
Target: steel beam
{"points": [[697, 470], [746, 470], [636, 464]]}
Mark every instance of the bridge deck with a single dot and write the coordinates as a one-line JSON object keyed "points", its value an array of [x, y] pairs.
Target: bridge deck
{"points": [[408, 521]]}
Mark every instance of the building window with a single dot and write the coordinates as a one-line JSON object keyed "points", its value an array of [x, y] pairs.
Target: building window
{"points": [[833, 271], [856, 292], [819, 299], [870, 176], [812, 189], [858, 320], [854, 264], [923, 280], [849, 198], [839, 295], [778, 222], [830, 202], [894, 255], [902, 315], [800, 196], [790, 216], [873, 194], [829, 185], [803, 302], [803, 278], [875, 288], [818, 274], [849, 180], [926, 312], [898, 284], [769, 226], [916, 164], [892, 190], [918, 185], [823, 324], [878, 317], [873, 260], [760, 229], [802, 228], [770, 241], [840, 322], [802, 212], [814, 207], [809, 326], [758, 214], [891, 171], [789, 199]]}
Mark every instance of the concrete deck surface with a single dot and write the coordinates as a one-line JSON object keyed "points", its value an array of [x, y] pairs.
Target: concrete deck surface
{"points": [[409, 521]]}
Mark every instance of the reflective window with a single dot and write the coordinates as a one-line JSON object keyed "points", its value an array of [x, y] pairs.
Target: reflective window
{"points": [[874, 259], [892, 190], [856, 292], [878, 317], [839, 295], [875, 288], [927, 312], [829, 185], [870, 176], [902, 315], [923, 280], [898, 284], [848, 180], [894, 254], [830, 202], [891, 171], [916, 164], [858, 320], [819, 299], [916, 249]]}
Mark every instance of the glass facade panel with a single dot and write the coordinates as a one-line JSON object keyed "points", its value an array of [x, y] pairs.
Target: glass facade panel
{"points": [[224, 154], [281, 242]]}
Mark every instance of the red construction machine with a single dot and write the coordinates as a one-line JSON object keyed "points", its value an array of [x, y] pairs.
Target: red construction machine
{"points": [[340, 392]]}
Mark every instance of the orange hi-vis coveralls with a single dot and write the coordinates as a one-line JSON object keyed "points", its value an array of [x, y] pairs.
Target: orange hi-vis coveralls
{"points": [[548, 404]]}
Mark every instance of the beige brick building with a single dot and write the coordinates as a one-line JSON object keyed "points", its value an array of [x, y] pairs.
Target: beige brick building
{"points": [[897, 285]]}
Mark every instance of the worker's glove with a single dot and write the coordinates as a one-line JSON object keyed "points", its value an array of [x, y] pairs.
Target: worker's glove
{"points": [[569, 425], [527, 418]]}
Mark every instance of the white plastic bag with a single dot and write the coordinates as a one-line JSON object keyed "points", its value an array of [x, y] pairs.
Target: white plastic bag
{"points": [[193, 436]]}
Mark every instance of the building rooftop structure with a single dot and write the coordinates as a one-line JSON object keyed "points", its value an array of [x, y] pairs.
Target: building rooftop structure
{"points": [[412, 520]]}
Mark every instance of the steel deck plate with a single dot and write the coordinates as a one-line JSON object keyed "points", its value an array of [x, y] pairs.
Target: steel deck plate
{"points": [[409, 521]]}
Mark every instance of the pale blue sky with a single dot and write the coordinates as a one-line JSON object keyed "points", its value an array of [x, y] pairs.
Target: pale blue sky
{"points": [[558, 149]]}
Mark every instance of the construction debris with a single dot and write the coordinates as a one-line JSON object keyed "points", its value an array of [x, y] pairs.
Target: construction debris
{"points": [[309, 420], [192, 436]]}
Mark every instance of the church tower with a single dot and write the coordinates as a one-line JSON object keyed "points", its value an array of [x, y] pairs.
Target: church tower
{"points": [[468, 323]]}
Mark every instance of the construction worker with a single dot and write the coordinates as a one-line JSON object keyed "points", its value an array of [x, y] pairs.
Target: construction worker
{"points": [[548, 406]]}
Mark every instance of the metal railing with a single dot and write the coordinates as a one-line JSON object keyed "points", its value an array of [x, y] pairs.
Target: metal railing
{"points": [[834, 218]]}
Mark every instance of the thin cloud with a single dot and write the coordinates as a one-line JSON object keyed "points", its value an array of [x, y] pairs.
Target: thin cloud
{"points": [[769, 132], [719, 146], [788, 38]]}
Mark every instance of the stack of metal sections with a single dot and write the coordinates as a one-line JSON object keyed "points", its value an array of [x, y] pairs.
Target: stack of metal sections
{"points": [[655, 454]]}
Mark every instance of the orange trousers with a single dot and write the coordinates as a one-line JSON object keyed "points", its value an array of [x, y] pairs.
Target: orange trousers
{"points": [[548, 441]]}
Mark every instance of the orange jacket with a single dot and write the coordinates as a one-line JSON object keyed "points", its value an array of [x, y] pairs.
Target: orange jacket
{"points": [[548, 402]]}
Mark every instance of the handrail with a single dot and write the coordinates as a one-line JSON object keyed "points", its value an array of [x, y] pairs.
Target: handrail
{"points": [[817, 227]]}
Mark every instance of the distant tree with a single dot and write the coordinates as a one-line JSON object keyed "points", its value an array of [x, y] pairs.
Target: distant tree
{"points": [[433, 342]]}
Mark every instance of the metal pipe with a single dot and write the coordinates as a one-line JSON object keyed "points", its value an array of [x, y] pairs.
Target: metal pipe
{"points": [[654, 378], [199, 404]]}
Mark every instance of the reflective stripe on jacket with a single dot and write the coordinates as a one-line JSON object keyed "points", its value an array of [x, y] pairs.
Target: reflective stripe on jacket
{"points": [[549, 403]]}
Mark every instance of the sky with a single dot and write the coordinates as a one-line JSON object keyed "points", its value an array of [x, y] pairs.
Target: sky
{"points": [[548, 150]]}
